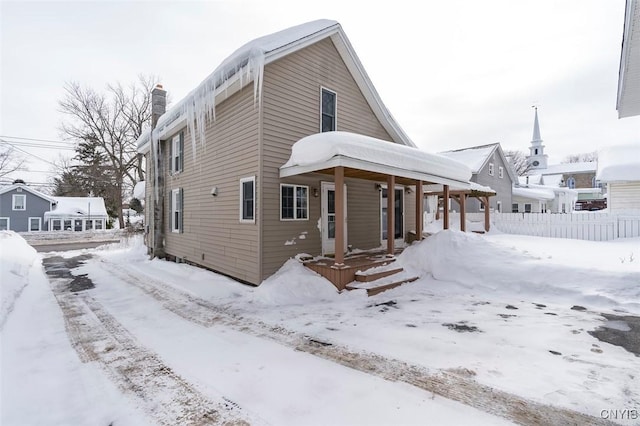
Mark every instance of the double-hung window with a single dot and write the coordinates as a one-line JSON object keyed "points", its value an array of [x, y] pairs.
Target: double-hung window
{"points": [[35, 224], [19, 202], [177, 153], [294, 202], [328, 109], [490, 169], [177, 208], [500, 172], [248, 199]]}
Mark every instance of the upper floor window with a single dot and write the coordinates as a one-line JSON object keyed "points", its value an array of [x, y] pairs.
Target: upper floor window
{"points": [[571, 182], [500, 172], [177, 153], [248, 199], [19, 202], [490, 169], [328, 111], [294, 202]]}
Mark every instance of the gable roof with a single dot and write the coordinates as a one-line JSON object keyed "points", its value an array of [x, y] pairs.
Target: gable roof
{"points": [[477, 157], [246, 65], [28, 189]]}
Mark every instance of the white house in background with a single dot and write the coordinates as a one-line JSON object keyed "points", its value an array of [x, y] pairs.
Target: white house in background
{"points": [[619, 168], [77, 214], [628, 101], [531, 197]]}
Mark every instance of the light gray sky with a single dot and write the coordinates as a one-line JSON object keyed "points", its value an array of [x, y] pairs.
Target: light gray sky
{"points": [[453, 73]]}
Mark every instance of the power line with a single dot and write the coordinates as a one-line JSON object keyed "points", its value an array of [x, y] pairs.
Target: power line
{"points": [[40, 145], [29, 153], [37, 140]]}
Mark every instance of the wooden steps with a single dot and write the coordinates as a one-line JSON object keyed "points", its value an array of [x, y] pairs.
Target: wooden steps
{"points": [[381, 280]]}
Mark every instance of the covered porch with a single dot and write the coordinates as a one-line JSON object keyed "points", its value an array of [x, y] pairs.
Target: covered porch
{"points": [[443, 193], [348, 155]]}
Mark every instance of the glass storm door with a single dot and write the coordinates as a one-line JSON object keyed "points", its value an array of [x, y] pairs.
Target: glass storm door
{"points": [[398, 216], [329, 218]]}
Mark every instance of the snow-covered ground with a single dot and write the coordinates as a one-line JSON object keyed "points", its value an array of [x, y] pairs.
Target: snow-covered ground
{"points": [[490, 312]]}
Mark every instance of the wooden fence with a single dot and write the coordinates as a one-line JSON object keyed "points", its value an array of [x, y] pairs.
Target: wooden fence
{"points": [[592, 226]]}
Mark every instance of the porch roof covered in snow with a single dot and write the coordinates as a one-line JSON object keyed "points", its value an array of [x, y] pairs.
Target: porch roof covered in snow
{"points": [[369, 158]]}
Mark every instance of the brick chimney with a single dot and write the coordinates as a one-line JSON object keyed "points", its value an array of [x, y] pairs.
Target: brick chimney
{"points": [[158, 103]]}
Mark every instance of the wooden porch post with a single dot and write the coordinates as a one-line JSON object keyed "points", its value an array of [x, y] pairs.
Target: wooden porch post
{"points": [[391, 208], [485, 200], [339, 240], [463, 221], [419, 213], [445, 196]]}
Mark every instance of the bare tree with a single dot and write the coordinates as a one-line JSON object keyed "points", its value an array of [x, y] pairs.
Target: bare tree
{"points": [[585, 157], [518, 161], [109, 124], [10, 160]]}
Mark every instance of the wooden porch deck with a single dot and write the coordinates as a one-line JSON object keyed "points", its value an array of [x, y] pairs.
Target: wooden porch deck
{"points": [[345, 274]]}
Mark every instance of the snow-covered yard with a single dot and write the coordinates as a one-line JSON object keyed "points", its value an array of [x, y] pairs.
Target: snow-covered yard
{"points": [[499, 324]]}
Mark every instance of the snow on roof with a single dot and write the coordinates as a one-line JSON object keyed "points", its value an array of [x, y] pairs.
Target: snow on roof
{"points": [[619, 163], [552, 180], [474, 158], [330, 149], [538, 193], [78, 206], [564, 168], [247, 64]]}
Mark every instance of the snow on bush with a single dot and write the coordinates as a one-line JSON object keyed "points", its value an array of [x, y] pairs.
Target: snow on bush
{"points": [[295, 284], [16, 259]]}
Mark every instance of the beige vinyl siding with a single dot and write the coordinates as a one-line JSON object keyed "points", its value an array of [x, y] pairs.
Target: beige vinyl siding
{"points": [[212, 233], [624, 196], [291, 110]]}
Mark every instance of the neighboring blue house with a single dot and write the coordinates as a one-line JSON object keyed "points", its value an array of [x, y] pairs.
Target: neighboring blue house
{"points": [[22, 208]]}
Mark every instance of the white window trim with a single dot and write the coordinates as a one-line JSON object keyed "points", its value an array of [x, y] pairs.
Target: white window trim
{"points": [[95, 224], [499, 206], [175, 153], [175, 225], [8, 219], [241, 204], [51, 221], [39, 223], [481, 207], [295, 203], [501, 172], [24, 204], [490, 169], [335, 114]]}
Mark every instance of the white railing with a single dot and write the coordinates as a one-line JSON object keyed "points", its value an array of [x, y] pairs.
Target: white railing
{"points": [[592, 226]]}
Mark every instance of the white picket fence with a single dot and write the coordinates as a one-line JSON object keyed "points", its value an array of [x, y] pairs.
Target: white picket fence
{"points": [[592, 226]]}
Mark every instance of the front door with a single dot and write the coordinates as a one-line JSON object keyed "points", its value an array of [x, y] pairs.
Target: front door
{"points": [[329, 218], [398, 216]]}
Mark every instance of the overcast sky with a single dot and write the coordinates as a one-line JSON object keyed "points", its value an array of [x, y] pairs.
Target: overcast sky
{"points": [[453, 73]]}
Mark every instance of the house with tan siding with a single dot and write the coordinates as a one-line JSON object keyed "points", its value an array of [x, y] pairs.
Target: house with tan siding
{"points": [[215, 161]]}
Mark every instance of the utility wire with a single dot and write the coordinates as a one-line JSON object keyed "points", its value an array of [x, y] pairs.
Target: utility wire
{"points": [[37, 140], [29, 153]]}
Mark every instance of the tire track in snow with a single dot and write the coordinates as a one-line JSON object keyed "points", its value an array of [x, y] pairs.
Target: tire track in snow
{"points": [[166, 397], [443, 383]]}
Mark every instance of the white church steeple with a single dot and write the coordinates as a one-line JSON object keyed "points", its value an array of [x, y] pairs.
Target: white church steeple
{"points": [[536, 159]]}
